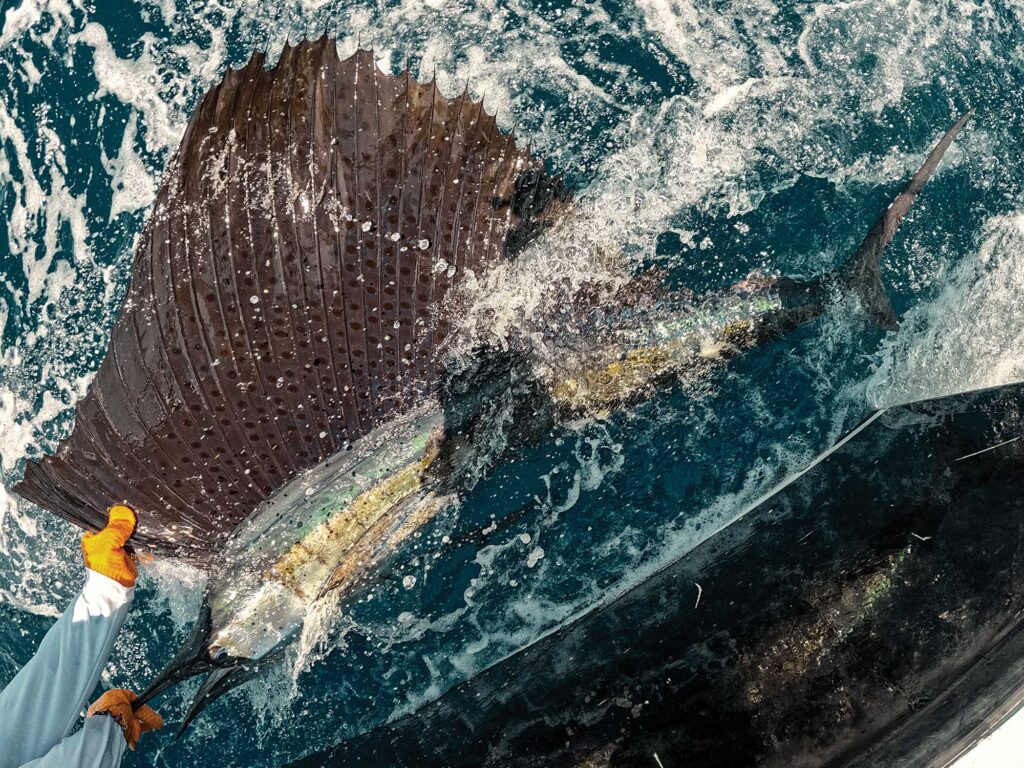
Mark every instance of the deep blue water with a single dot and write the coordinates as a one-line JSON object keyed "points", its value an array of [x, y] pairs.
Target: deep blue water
{"points": [[708, 137]]}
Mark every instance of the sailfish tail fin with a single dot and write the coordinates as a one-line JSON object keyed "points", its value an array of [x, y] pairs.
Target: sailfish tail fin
{"points": [[863, 273]]}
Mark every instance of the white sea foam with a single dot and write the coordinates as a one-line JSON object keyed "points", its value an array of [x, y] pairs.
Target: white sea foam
{"points": [[709, 42], [28, 195], [20, 19], [131, 181], [719, 146], [178, 585], [131, 81]]}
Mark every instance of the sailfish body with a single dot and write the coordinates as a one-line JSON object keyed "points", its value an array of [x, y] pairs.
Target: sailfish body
{"points": [[274, 401]]}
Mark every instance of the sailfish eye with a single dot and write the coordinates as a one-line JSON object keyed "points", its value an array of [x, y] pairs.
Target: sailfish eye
{"points": [[218, 654]]}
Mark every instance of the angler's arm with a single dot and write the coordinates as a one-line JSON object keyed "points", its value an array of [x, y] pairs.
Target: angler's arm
{"points": [[99, 744], [43, 703]]}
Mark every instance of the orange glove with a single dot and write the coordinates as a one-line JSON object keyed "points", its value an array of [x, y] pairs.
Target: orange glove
{"points": [[118, 704], [104, 551]]}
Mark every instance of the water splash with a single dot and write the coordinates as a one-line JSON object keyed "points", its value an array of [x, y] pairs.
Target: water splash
{"points": [[971, 335]]}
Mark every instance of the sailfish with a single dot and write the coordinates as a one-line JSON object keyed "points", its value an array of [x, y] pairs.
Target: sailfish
{"points": [[276, 400]]}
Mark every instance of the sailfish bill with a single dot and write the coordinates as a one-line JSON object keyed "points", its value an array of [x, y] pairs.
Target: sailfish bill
{"points": [[274, 401]]}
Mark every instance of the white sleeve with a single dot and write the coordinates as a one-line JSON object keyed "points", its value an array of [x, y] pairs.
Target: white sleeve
{"points": [[99, 744], [45, 699]]}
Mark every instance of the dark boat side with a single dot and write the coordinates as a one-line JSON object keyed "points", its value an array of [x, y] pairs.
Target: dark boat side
{"points": [[867, 613]]}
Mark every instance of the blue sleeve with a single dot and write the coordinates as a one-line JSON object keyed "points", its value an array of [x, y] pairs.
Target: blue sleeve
{"points": [[44, 701], [99, 744]]}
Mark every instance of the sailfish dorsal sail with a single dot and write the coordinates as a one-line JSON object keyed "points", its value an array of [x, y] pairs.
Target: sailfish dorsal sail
{"points": [[288, 292]]}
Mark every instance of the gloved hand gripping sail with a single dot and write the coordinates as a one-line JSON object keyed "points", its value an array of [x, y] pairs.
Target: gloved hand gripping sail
{"points": [[288, 292]]}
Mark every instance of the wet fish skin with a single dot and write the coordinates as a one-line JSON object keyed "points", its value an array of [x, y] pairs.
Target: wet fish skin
{"points": [[830, 631], [680, 338], [305, 537]]}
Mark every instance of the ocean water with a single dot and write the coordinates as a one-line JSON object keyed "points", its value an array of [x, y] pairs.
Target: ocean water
{"points": [[707, 137]]}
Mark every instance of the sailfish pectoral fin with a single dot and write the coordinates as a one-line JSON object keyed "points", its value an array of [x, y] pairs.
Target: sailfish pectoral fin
{"points": [[194, 658], [863, 273]]}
